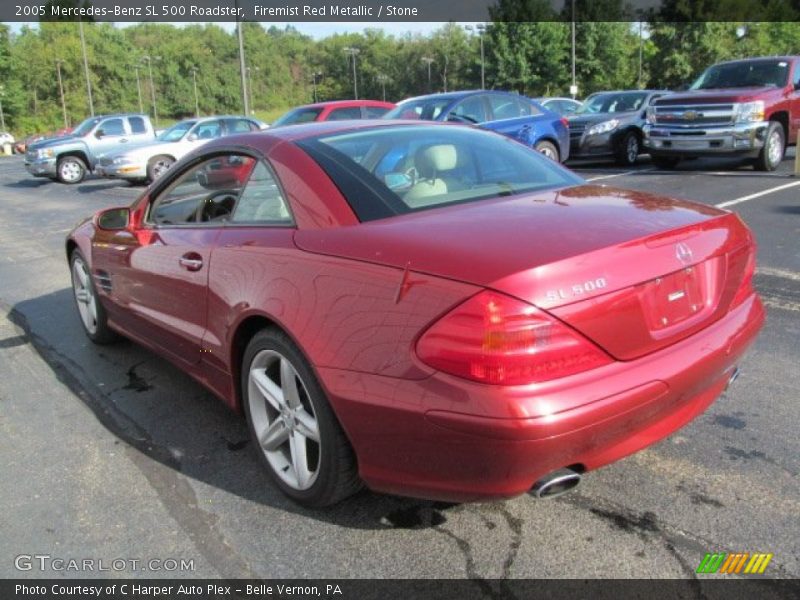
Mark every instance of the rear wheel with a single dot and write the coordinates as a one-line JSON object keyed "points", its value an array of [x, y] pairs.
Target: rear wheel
{"points": [[93, 315], [628, 149], [70, 169], [548, 149], [665, 162], [292, 426], [774, 148]]}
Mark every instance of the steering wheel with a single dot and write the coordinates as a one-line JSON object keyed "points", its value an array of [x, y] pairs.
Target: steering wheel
{"points": [[462, 119], [218, 205]]}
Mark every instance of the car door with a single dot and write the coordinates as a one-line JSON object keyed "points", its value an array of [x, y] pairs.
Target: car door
{"points": [[794, 106], [471, 109], [110, 135], [155, 277], [344, 113], [138, 129]]}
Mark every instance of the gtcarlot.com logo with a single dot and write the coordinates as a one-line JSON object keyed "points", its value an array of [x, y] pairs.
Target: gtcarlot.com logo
{"points": [[47, 562], [735, 563]]}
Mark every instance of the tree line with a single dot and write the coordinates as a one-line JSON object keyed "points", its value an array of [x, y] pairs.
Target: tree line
{"points": [[287, 68]]}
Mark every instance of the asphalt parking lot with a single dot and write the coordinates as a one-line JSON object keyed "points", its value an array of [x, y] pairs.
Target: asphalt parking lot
{"points": [[111, 452]]}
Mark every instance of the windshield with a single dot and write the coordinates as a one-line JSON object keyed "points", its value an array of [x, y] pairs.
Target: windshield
{"points": [[393, 170], [426, 109], [613, 102], [744, 74], [176, 132], [86, 126], [298, 115]]}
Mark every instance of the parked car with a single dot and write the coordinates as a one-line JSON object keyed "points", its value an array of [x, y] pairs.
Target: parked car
{"points": [[512, 115], [6, 138], [337, 110], [148, 161], [478, 325], [22, 145], [562, 106], [609, 125], [69, 158], [748, 108]]}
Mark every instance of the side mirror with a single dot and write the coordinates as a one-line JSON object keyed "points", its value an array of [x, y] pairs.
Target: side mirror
{"points": [[99, 133], [114, 219], [192, 137]]}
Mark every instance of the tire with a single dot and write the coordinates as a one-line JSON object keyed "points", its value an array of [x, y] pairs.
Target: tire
{"points": [[70, 170], [665, 162], [774, 148], [548, 149], [92, 314], [158, 165], [628, 149], [314, 473]]}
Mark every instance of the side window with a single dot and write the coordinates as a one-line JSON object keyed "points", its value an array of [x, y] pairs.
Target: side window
{"points": [[796, 78], [471, 110], [261, 202], [504, 107], [341, 114], [375, 112], [239, 126], [205, 193], [137, 125], [566, 107], [208, 130], [111, 127], [526, 108]]}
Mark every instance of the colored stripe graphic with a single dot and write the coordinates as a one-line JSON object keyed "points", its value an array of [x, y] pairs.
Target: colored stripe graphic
{"points": [[759, 562], [734, 563], [711, 562]]}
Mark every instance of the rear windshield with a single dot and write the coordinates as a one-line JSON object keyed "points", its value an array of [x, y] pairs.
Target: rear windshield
{"points": [[758, 73], [388, 171], [298, 115]]}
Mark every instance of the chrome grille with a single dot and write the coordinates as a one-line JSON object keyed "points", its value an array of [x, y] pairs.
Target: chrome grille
{"points": [[694, 115]]}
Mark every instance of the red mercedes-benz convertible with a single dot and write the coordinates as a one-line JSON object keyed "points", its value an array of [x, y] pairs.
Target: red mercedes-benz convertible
{"points": [[428, 310]]}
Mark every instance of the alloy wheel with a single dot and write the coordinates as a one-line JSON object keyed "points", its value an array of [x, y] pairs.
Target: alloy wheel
{"points": [[775, 148], [70, 171], [84, 295]]}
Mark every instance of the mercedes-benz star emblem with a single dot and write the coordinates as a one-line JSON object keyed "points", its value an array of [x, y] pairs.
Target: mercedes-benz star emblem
{"points": [[683, 253]]}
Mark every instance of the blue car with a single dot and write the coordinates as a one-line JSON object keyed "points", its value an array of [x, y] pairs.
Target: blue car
{"points": [[513, 115]]}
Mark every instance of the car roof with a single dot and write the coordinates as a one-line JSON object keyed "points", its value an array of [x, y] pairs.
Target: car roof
{"points": [[758, 58], [345, 104], [463, 94]]}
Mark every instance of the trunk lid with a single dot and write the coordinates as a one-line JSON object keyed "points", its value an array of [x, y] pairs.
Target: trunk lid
{"points": [[632, 271]]}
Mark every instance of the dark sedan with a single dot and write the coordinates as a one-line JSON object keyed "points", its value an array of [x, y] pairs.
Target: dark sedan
{"points": [[609, 125]]}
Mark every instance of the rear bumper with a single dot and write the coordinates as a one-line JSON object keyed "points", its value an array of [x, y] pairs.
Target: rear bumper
{"points": [[743, 139], [449, 439]]}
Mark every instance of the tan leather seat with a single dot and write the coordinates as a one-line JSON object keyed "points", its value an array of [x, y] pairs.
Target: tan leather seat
{"points": [[432, 164]]}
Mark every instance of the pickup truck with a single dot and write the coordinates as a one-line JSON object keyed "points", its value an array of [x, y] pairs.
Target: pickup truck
{"points": [[69, 158], [748, 108]]}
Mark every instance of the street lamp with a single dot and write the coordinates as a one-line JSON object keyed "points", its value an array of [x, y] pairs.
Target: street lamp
{"points": [[139, 87], [242, 72], [353, 52], [196, 98], [314, 82], [382, 79], [573, 89], [250, 86], [61, 91], [86, 68], [149, 59], [481, 28], [2, 115], [428, 61]]}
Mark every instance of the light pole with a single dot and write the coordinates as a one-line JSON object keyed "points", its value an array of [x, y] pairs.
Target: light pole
{"points": [[641, 43], [242, 71], [353, 52], [382, 79], [139, 87], [86, 68], [481, 28], [428, 61], [61, 91], [196, 98], [314, 76], [150, 60], [2, 115], [573, 89], [250, 86]]}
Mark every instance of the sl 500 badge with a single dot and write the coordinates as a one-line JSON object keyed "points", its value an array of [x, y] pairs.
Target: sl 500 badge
{"points": [[578, 289]]}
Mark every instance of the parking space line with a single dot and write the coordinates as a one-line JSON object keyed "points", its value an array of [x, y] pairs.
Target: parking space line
{"points": [[610, 176], [782, 273], [757, 194]]}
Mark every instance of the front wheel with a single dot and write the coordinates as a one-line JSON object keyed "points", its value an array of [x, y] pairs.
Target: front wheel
{"points": [[292, 426], [157, 166], [548, 149], [71, 169], [93, 315], [771, 154], [628, 149]]}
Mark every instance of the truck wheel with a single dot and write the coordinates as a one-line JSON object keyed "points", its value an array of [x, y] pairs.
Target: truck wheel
{"points": [[548, 149], [665, 162], [70, 170], [628, 149], [775, 145], [158, 165]]}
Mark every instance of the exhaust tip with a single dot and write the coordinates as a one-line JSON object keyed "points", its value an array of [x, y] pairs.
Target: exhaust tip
{"points": [[556, 483], [734, 376]]}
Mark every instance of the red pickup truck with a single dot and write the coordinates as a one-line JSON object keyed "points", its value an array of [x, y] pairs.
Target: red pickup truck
{"points": [[748, 108]]}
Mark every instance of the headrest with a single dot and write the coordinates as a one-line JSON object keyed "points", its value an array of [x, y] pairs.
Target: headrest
{"points": [[435, 159]]}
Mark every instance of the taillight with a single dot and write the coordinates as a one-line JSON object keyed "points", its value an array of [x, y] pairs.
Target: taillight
{"points": [[496, 339], [565, 122], [746, 287]]}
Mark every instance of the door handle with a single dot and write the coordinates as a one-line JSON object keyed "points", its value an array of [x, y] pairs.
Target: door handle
{"points": [[191, 261], [123, 140]]}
